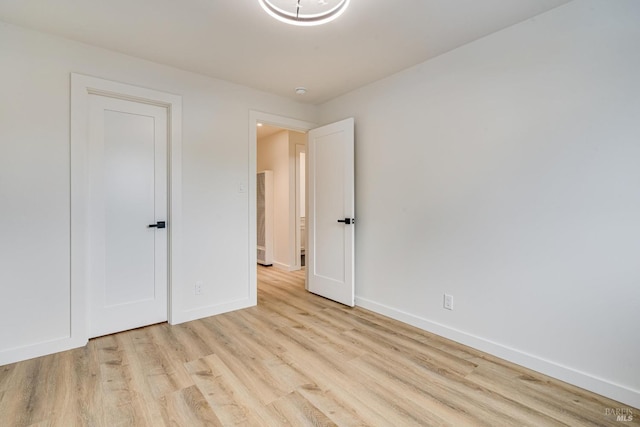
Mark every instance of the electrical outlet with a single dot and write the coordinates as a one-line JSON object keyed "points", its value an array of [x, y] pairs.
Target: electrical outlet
{"points": [[448, 301], [198, 288]]}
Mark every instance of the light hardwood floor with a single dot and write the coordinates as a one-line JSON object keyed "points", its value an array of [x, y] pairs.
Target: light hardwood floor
{"points": [[295, 359]]}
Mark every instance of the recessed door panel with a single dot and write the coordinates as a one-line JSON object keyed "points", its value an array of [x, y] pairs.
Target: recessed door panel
{"points": [[129, 202], [329, 247]]}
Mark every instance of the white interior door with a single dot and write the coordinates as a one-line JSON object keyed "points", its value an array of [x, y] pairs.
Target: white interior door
{"points": [[127, 204], [331, 216]]}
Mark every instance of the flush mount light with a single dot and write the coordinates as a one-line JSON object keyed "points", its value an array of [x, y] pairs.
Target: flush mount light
{"points": [[301, 90], [304, 12]]}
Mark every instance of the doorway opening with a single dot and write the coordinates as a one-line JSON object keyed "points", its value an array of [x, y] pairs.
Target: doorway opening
{"points": [[329, 189], [288, 137], [281, 204]]}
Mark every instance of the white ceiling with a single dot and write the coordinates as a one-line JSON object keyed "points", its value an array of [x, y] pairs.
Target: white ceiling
{"points": [[237, 41]]}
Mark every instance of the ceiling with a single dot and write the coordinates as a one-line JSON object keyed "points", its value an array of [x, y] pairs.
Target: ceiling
{"points": [[237, 41]]}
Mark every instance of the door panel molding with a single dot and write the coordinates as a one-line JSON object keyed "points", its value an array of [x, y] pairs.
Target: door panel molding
{"points": [[81, 88]]}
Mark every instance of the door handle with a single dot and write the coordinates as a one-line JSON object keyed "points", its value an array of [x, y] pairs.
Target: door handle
{"points": [[348, 221], [159, 224]]}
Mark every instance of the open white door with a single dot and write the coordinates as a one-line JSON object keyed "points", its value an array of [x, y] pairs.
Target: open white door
{"points": [[331, 216]]}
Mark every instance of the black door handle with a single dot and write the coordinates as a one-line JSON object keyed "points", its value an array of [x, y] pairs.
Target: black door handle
{"points": [[159, 224], [347, 221]]}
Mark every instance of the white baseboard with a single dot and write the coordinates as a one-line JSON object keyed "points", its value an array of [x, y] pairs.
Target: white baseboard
{"points": [[584, 380], [66, 343], [285, 267], [211, 310], [280, 265], [43, 348]]}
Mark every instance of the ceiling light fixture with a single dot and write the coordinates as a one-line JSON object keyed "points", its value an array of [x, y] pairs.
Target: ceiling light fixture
{"points": [[304, 12], [301, 90]]}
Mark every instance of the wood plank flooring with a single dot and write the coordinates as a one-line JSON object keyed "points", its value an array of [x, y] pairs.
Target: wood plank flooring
{"points": [[296, 359]]}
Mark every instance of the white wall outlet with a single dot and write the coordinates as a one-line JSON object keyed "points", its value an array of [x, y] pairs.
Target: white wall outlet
{"points": [[448, 301], [198, 287]]}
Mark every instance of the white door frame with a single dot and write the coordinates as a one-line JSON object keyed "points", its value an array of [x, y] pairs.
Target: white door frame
{"points": [[256, 117], [82, 87], [299, 148]]}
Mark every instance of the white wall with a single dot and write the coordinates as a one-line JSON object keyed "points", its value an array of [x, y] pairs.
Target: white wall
{"points": [[34, 183], [507, 173]]}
